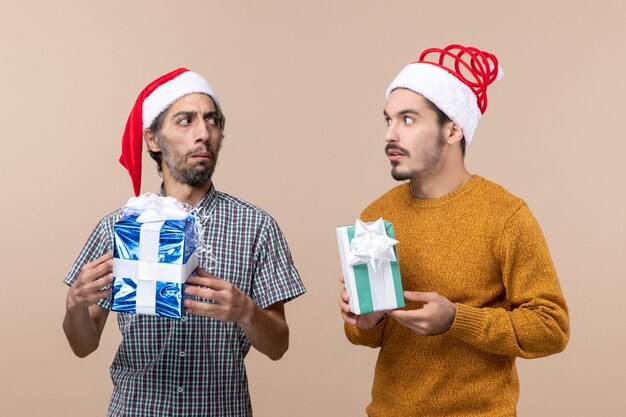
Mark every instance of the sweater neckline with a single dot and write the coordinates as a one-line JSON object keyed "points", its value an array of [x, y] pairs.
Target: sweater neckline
{"points": [[471, 184]]}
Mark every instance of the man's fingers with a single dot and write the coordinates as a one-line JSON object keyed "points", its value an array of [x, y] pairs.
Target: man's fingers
{"points": [[99, 288], [397, 314], [216, 290], [200, 281], [100, 267], [107, 256], [94, 297], [344, 300], [202, 273], [405, 315], [104, 267], [344, 305], [342, 280], [93, 264], [104, 280], [349, 318], [198, 308], [196, 291], [424, 297], [402, 318], [210, 281], [105, 293]]}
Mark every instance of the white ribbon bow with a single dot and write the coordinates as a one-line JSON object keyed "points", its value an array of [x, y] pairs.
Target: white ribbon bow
{"points": [[155, 208], [371, 244]]}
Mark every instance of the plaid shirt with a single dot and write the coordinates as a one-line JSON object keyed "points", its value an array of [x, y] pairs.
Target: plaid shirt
{"points": [[195, 366]]}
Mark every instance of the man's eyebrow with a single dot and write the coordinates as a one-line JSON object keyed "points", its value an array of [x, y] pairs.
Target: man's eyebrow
{"points": [[403, 112], [184, 113], [408, 111], [193, 112]]}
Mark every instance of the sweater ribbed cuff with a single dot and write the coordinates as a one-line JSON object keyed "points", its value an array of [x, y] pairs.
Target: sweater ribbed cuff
{"points": [[468, 322], [368, 337]]}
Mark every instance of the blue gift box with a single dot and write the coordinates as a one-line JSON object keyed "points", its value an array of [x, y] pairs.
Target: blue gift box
{"points": [[152, 261]]}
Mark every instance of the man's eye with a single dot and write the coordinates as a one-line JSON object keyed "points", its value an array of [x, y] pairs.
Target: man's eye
{"points": [[388, 121], [212, 121], [409, 120], [184, 121]]}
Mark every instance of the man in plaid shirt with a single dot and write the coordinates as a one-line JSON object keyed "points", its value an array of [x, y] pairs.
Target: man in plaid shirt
{"points": [[193, 366]]}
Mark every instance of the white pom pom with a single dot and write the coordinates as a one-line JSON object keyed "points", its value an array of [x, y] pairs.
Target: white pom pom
{"points": [[500, 71]]}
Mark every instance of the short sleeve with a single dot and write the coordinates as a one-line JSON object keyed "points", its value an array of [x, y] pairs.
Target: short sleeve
{"points": [[275, 278]]}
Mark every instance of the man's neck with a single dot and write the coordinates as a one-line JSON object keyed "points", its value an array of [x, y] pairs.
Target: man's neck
{"points": [[184, 192], [444, 179]]}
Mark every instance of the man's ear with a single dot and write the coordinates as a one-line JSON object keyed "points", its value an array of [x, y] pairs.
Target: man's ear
{"points": [[151, 140], [454, 133]]}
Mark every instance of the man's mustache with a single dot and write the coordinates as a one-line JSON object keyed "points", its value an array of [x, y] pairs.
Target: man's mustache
{"points": [[201, 149], [397, 148]]}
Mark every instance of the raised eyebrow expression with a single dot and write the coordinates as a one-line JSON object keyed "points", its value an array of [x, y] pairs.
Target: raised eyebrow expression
{"points": [[192, 114], [401, 114]]}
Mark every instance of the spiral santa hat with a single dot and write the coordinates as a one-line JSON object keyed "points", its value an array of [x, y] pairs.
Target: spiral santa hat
{"points": [[455, 79], [153, 100]]}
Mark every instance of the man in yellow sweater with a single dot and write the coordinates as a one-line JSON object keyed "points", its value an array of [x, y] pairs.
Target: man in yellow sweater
{"points": [[479, 282]]}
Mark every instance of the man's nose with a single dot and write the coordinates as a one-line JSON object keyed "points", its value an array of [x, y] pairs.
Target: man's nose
{"points": [[391, 135], [202, 132]]}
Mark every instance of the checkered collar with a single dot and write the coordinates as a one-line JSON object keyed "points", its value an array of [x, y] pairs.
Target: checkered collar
{"points": [[205, 206]]}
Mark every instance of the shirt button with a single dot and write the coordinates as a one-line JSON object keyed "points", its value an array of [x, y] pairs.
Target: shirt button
{"points": [[182, 354], [184, 318], [180, 389]]}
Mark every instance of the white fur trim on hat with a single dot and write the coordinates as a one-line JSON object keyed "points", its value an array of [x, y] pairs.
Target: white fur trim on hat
{"points": [[446, 91], [186, 83]]}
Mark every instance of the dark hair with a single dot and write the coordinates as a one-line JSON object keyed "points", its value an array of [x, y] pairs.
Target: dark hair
{"points": [[442, 119], [155, 128]]}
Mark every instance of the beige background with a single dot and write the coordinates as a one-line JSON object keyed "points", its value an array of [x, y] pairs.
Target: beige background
{"points": [[302, 85]]}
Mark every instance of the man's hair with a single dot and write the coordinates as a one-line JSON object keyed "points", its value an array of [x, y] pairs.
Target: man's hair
{"points": [[155, 128], [442, 119]]}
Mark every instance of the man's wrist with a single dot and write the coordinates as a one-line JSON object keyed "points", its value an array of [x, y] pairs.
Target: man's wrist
{"points": [[248, 312], [72, 305]]}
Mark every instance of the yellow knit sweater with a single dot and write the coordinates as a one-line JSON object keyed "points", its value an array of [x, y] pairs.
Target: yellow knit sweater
{"points": [[481, 248]]}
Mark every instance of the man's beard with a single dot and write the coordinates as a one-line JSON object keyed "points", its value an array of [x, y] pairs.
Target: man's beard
{"points": [[428, 158], [195, 175]]}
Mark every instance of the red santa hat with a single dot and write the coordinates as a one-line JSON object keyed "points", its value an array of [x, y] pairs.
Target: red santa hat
{"points": [[454, 79], [153, 100]]}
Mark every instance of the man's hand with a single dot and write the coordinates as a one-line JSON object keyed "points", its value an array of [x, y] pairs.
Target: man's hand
{"points": [[230, 304], [362, 321], [266, 328], [435, 317], [88, 288], [84, 319]]}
